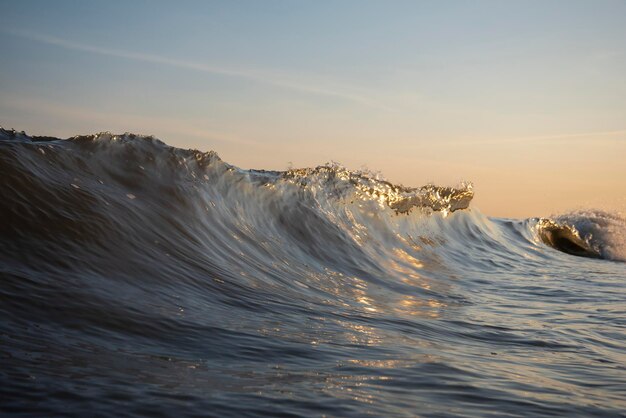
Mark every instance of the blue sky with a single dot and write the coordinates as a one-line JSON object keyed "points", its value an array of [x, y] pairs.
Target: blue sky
{"points": [[526, 99]]}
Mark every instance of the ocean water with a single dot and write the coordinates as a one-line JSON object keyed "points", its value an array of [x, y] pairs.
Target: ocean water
{"points": [[138, 279]]}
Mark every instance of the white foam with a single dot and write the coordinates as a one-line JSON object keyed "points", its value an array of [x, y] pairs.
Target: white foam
{"points": [[604, 231]]}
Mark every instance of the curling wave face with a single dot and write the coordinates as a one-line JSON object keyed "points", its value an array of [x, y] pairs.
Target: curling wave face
{"points": [[138, 274]]}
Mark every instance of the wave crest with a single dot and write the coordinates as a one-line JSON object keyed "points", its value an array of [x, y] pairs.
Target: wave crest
{"points": [[604, 233], [364, 185]]}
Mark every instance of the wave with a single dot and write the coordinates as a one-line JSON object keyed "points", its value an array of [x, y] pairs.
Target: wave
{"points": [[121, 251], [92, 183], [586, 233]]}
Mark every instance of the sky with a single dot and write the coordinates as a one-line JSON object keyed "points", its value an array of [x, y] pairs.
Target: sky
{"points": [[525, 99]]}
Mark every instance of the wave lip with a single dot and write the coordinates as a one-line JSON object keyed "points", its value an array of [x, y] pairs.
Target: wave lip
{"points": [[367, 186]]}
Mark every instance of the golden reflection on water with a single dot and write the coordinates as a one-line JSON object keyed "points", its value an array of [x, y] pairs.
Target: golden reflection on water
{"points": [[360, 334], [407, 266], [363, 299], [379, 300], [358, 231], [429, 308], [407, 258], [395, 363]]}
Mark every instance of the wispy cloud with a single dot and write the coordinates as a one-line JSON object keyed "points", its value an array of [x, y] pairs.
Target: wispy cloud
{"points": [[567, 136], [607, 135], [256, 76]]}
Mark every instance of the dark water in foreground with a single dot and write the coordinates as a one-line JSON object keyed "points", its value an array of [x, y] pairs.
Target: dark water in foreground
{"points": [[138, 279]]}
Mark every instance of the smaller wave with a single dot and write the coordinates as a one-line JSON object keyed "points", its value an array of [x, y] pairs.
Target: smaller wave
{"points": [[586, 233]]}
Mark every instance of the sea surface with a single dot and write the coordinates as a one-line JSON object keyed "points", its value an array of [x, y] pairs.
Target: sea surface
{"points": [[142, 280]]}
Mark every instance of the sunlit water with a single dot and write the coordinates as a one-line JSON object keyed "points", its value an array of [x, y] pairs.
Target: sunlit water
{"points": [[138, 279]]}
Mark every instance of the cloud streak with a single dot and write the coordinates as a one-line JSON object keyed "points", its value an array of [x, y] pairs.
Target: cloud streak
{"points": [[607, 135], [262, 78]]}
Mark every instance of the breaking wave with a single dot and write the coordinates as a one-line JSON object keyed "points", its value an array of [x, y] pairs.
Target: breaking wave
{"points": [[120, 248]]}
